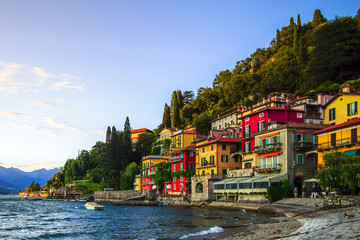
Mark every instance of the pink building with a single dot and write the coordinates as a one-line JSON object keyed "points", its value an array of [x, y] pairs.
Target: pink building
{"points": [[266, 118], [182, 160]]}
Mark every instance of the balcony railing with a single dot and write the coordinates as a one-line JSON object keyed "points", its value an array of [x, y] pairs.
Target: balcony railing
{"points": [[302, 145], [339, 143], [268, 168], [152, 173], [270, 147]]}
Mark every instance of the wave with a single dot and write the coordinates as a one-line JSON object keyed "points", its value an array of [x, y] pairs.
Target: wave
{"points": [[215, 229]]}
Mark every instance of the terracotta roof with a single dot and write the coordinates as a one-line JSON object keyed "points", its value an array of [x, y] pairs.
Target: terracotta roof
{"points": [[295, 125], [221, 140], [185, 132], [140, 130], [188, 148], [341, 125]]}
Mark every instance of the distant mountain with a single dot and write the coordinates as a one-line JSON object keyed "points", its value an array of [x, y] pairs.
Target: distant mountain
{"points": [[13, 179]]}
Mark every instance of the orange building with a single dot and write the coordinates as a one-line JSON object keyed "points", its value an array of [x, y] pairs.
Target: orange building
{"points": [[136, 132]]}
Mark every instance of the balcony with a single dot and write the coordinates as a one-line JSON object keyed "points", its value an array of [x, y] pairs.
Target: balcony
{"points": [[268, 168], [152, 173], [342, 142], [313, 115], [270, 147], [302, 145]]}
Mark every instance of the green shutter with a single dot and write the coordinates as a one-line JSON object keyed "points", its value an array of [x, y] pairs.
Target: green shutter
{"points": [[296, 137], [267, 142], [348, 109], [356, 109], [304, 137]]}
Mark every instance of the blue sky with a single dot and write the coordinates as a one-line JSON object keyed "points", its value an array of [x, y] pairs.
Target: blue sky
{"points": [[69, 69]]}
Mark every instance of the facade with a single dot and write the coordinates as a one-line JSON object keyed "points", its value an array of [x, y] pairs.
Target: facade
{"points": [[137, 183], [148, 168], [182, 160], [214, 157], [341, 108], [344, 138], [226, 119], [166, 133], [288, 149], [136, 132], [182, 138]]}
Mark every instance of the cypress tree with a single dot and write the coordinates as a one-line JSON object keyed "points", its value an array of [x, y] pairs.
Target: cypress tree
{"points": [[299, 21], [175, 110], [108, 134], [278, 38], [317, 19], [295, 40], [127, 144], [301, 52], [166, 121], [115, 151]]}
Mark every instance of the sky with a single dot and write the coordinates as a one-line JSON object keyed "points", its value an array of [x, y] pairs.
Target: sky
{"points": [[69, 69]]}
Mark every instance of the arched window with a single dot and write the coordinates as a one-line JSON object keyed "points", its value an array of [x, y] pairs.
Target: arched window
{"points": [[199, 188]]}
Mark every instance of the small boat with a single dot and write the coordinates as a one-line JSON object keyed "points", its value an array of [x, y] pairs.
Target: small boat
{"points": [[93, 206], [161, 203]]}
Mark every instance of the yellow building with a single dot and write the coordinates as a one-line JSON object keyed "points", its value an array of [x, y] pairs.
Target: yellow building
{"points": [[136, 132], [342, 108], [137, 183], [344, 137], [148, 161], [214, 156], [181, 139], [166, 133]]}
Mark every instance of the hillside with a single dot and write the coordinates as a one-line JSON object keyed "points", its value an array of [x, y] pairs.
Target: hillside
{"points": [[13, 179]]}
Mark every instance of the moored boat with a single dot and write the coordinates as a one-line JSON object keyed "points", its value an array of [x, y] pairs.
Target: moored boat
{"points": [[93, 206]]}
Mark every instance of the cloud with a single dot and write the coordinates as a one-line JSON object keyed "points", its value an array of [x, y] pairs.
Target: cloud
{"points": [[57, 123], [11, 114], [43, 103], [15, 77], [25, 126]]}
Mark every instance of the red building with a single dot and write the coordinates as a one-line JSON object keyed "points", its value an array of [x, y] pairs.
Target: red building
{"points": [[265, 118], [182, 160]]}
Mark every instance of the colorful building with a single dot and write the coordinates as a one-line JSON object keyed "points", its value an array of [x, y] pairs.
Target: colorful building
{"points": [[344, 138], [167, 133], [181, 161], [341, 108], [148, 168], [226, 119], [137, 183], [214, 156], [182, 138], [136, 132]]}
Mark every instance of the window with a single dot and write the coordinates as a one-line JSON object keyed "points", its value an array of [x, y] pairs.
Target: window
{"points": [[191, 166], [246, 119], [219, 127], [181, 166], [247, 131], [275, 162], [333, 140], [192, 154], [212, 147], [299, 115], [263, 163], [181, 178], [203, 149], [223, 147], [300, 159], [219, 186], [212, 160], [212, 171], [174, 186], [247, 147], [199, 187], [332, 114], [174, 179], [231, 186], [232, 121], [225, 124], [247, 165], [224, 171], [354, 136], [261, 114], [182, 155], [174, 167], [352, 109], [261, 126], [203, 173], [224, 158]]}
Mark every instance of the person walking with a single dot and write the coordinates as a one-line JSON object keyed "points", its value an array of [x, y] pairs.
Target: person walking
{"points": [[303, 191], [296, 192], [313, 192]]}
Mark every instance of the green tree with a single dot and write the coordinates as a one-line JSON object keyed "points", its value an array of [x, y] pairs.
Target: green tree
{"points": [[318, 18], [162, 175], [108, 134], [202, 123], [166, 120], [175, 110], [33, 187], [127, 144], [144, 144], [128, 178]]}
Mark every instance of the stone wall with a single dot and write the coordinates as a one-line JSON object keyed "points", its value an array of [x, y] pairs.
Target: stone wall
{"points": [[207, 182], [108, 196], [340, 201], [247, 172]]}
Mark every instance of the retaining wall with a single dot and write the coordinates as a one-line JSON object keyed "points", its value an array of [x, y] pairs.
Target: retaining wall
{"points": [[340, 201]]}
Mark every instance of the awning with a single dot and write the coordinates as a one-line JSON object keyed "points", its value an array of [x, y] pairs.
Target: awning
{"points": [[311, 180], [259, 178], [247, 160], [353, 152], [270, 154]]}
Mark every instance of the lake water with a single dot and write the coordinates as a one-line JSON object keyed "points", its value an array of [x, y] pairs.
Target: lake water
{"points": [[21, 219]]}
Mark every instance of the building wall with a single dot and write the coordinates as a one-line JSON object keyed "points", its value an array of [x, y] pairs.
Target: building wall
{"points": [[343, 142], [340, 105], [224, 122]]}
